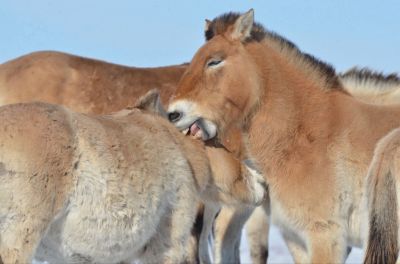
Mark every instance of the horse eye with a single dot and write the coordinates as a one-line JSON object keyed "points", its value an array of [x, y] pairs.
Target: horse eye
{"points": [[213, 62]]}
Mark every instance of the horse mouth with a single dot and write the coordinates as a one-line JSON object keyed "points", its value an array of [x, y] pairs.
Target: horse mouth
{"points": [[196, 130]]}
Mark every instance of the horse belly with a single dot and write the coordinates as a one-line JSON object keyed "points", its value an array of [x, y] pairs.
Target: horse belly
{"points": [[92, 231], [108, 238]]}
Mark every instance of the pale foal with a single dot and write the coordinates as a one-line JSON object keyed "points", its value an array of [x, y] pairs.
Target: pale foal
{"points": [[78, 188]]}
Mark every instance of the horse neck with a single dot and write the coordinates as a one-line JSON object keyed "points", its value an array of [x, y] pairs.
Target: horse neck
{"points": [[297, 114], [291, 98]]}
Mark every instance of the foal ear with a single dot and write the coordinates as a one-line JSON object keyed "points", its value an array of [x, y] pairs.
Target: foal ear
{"points": [[151, 102], [243, 26]]}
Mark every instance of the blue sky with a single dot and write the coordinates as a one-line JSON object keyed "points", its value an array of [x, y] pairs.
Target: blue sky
{"points": [[153, 33]]}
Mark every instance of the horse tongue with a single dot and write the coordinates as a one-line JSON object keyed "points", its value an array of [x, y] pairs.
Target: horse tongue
{"points": [[195, 130]]}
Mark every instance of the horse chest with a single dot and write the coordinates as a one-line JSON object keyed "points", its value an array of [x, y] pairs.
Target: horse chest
{"points": [[315, 190]]}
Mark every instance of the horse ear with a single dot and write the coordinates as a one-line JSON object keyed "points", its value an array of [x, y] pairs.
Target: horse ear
{"points": [[243, 26], [151, 102], [208, 32], [207, 25]]}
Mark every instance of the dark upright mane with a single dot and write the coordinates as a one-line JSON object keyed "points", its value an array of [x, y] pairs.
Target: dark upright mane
{"points": [[221, 24]]}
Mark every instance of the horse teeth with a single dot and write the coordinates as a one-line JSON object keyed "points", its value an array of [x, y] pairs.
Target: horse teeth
{"points": [[185, 131]]}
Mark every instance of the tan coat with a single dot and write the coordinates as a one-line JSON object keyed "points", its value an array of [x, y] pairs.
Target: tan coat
{"points": [[312, 140], [106, 189]]}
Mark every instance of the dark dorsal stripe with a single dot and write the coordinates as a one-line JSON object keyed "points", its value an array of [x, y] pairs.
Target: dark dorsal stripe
{"points": [[220, 25]]}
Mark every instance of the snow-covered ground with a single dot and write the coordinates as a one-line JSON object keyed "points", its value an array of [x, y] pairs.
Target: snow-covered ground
{"points": [[279, 254]]}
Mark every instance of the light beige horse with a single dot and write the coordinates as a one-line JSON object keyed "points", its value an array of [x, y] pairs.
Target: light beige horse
{"points": [[106, 189], [311, 139]]}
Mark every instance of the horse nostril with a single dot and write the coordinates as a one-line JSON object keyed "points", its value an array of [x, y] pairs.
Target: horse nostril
{"points": [[174, 116]]}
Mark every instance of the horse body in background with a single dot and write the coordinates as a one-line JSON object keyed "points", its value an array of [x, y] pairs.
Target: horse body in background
{"points": [[83, 84]]}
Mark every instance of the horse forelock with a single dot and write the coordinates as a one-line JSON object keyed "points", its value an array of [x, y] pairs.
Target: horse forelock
{"points": [[221, 24]]}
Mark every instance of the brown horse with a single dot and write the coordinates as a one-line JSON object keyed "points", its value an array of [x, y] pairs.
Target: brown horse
{"points": [[364, 84], [83, 84], [312, 140]]}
